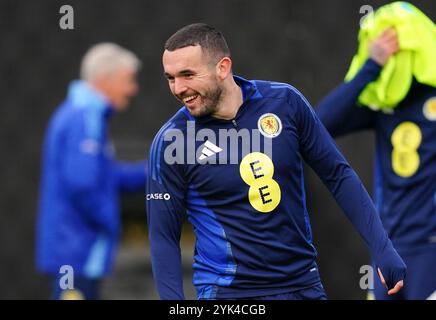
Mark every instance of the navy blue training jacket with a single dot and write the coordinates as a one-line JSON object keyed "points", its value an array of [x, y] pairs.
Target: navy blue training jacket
{"points": [[248, 209]]}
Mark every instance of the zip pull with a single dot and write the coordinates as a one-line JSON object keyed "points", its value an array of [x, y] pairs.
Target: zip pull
{"points": [[234, 123]]}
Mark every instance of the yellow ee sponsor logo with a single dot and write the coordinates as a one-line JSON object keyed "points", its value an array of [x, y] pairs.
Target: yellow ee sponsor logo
{"points": [[406, 139], [257, 170]]}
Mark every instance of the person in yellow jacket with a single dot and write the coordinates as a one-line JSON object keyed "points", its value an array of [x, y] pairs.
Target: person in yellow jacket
{"points": [[391, 89]]}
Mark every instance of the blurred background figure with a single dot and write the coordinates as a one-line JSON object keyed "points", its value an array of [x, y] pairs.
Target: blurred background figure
{"points": [[79, 220], [391, 89]]}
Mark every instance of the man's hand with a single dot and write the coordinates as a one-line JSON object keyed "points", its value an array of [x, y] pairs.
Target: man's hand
{"points": [[382, 48], [395, 289]]}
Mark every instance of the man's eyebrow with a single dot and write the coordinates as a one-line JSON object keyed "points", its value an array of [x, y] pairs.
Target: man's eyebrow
{"points": [[180, 73], [186, 71]]}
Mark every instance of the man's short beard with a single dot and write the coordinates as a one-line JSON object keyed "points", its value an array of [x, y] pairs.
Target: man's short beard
{"points": [[212, 100]]}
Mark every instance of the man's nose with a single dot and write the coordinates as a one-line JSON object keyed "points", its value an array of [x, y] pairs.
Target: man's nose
{"points": [[179, 86]]}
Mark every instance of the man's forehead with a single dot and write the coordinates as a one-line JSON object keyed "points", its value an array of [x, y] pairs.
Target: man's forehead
{"points": [[183, 58]]}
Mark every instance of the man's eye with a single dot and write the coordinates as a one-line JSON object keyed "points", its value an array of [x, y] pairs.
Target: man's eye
{"points": [[188, 76]]}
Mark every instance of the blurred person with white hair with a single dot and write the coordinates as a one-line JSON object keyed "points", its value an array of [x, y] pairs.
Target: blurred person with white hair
{"points": [[79, 220]]}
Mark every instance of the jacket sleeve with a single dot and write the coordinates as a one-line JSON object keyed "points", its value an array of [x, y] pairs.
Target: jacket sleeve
{"points": [[131, 177], [84, 171], [339, 111], [165, 202], [320, 152]]}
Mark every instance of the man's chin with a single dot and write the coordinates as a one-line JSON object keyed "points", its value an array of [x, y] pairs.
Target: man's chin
{"points": [[194, 111], [197, 112]]}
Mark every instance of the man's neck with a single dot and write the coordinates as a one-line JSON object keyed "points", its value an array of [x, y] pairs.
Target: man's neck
{"points": [[231, 101]]}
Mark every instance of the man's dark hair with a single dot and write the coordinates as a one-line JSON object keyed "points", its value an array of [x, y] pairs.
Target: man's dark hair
{"points": [[210, 39]]}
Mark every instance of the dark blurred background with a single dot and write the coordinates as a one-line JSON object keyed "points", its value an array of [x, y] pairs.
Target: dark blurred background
{"points": [[306, 43]]}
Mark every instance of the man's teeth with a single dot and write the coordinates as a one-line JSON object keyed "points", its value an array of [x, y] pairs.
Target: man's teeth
{"points": [[187, 99]]}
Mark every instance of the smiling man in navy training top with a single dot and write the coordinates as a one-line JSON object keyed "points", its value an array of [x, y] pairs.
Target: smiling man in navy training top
{"points": [[231, 159]]}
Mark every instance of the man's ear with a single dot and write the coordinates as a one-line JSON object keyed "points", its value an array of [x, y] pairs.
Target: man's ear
{"points": [[224, 68]]}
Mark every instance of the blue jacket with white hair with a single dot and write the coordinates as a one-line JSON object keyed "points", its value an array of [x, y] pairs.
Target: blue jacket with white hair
{"points": [[78, 220]]}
